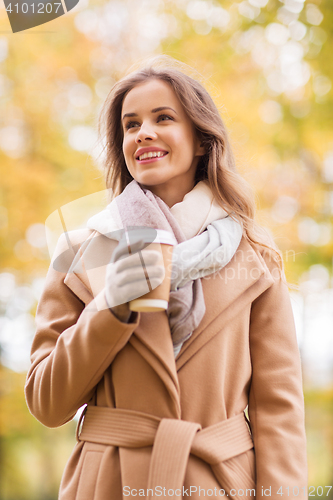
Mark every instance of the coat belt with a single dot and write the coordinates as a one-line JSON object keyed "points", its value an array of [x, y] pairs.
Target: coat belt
{"points": [[172, 439]]}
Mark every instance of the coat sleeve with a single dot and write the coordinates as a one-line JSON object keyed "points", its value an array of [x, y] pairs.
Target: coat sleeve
{"points": [[72, 348], [276, 402]]}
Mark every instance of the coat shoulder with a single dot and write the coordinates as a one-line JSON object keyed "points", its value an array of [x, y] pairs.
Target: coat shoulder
{"points": [[74, 238], [271, 256]]}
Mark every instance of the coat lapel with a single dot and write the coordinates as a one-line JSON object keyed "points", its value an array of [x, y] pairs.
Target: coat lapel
{"points": [[152, 339], [237, 284]]}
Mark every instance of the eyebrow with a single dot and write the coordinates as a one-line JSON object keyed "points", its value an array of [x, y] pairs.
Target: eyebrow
{"points": [[155, 110]]}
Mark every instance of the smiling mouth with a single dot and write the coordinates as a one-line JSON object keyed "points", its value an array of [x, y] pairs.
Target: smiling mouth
{"points": [[151, 155]]}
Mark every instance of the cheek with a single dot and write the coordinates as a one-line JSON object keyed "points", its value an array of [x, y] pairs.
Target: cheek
{"points": [[183, 141], [178, 142], [126, 147]]}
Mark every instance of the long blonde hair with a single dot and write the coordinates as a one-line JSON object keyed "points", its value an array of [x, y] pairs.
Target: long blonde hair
{"points": [[217, 166]]}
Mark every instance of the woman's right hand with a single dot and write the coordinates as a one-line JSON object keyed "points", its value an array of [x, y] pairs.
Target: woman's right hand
{"points": [[126, 276]]}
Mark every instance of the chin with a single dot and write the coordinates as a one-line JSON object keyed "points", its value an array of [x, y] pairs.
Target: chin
{"points": [[151, 180]]}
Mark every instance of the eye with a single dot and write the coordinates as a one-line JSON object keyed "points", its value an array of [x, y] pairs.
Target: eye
{"points": [[129, 125], [163, 117]]}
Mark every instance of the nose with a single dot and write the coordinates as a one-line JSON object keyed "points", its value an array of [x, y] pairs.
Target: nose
{"points": [[145, 133]]}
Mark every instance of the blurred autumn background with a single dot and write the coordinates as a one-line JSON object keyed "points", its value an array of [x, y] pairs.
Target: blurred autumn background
{"points": [[268, 65]]}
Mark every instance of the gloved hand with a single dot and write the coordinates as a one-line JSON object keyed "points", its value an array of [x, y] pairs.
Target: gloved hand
{"points": [[126, 276]]}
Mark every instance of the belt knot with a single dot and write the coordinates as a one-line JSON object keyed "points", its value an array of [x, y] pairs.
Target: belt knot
{"points": [[173, 440]]}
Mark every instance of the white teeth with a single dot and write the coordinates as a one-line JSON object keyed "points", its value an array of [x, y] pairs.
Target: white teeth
{"points": [[151, 154]]}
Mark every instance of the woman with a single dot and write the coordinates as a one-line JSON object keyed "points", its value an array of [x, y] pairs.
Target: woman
{"points": [[166, 391]]}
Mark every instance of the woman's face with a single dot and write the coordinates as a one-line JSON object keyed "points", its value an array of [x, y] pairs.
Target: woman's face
{"points": [[160, 145]]}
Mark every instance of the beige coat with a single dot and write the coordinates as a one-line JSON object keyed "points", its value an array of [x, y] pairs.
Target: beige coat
{"points": [[244, 353]]}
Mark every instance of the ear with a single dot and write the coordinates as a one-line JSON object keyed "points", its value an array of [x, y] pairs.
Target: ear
{"points": [[200, 147]]}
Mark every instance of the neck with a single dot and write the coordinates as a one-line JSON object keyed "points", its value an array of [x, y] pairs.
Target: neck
{"points": [[171, 194]]}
